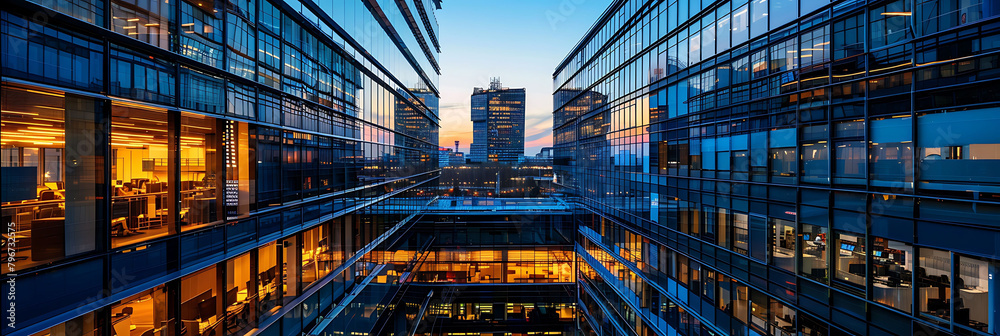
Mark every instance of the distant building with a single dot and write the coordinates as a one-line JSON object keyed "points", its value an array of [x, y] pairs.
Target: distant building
{"points": [[456, 159], [444, 157], [448, 157], [498, 124], [545, 152]]}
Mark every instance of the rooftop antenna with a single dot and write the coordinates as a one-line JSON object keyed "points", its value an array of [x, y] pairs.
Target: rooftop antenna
{"points": [[495, 83]]}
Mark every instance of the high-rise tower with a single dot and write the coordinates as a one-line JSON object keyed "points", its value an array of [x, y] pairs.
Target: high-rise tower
{"points": [[497, 123]]}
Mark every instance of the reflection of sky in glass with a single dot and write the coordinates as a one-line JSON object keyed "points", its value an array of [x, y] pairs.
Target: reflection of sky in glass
{"points": [[520, 41]]}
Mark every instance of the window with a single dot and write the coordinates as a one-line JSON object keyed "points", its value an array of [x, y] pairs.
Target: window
{"points": [[815, 161], [848, 37], [709, 224], [782, 155], [741, 25], [201, 91], [849, 163], [741, 70], [202, 303], [782, 318], [241, 41], [51, 185], [937, 15], [269, 160], [86, 10], [783, 11], [783, 244], [141, 77], [201, 36], [813, 244], [759, 307], [973, 302], [270, 17], [758, 17], [949, 162], [708, 41], [45, 53], [783, 56], [741, 305], [145, 20], [758, 64], [934, 285], [892, 267], [694, 48], [141, 204], [724, 236], [202, 179], [241, 295], [267, 280], [849, 257], [815, 46], [741, 234], [892, 152], [147, 311], [808, 6], [241, 100], [890, 23]]}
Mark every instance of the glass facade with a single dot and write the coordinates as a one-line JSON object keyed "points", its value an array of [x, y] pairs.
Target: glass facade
{"points": [[782, 167], [207, 167]]}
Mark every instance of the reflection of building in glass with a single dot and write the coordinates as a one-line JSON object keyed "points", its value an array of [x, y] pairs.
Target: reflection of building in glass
{"points": [[208, 167], [498, 124], [571, 104], [785, 167]]}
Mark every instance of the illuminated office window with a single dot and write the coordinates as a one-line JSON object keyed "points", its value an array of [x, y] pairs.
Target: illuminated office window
{"points": [[202, 303], [141, 203], [203, 180], [892, 273], [934, 276], [52, 199], [814, 256], [849, 256], [146, 313]]}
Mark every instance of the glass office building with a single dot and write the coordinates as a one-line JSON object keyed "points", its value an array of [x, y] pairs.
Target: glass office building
{"points": [[783, 167], [207, 167], [497, 124]]}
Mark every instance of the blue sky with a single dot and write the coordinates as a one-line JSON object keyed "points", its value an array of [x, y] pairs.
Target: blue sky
{"points": [[520, 41]]}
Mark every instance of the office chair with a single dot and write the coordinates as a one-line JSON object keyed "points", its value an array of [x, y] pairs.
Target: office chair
{"points": [[45, 213], [944, 280], [47, 195]]}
